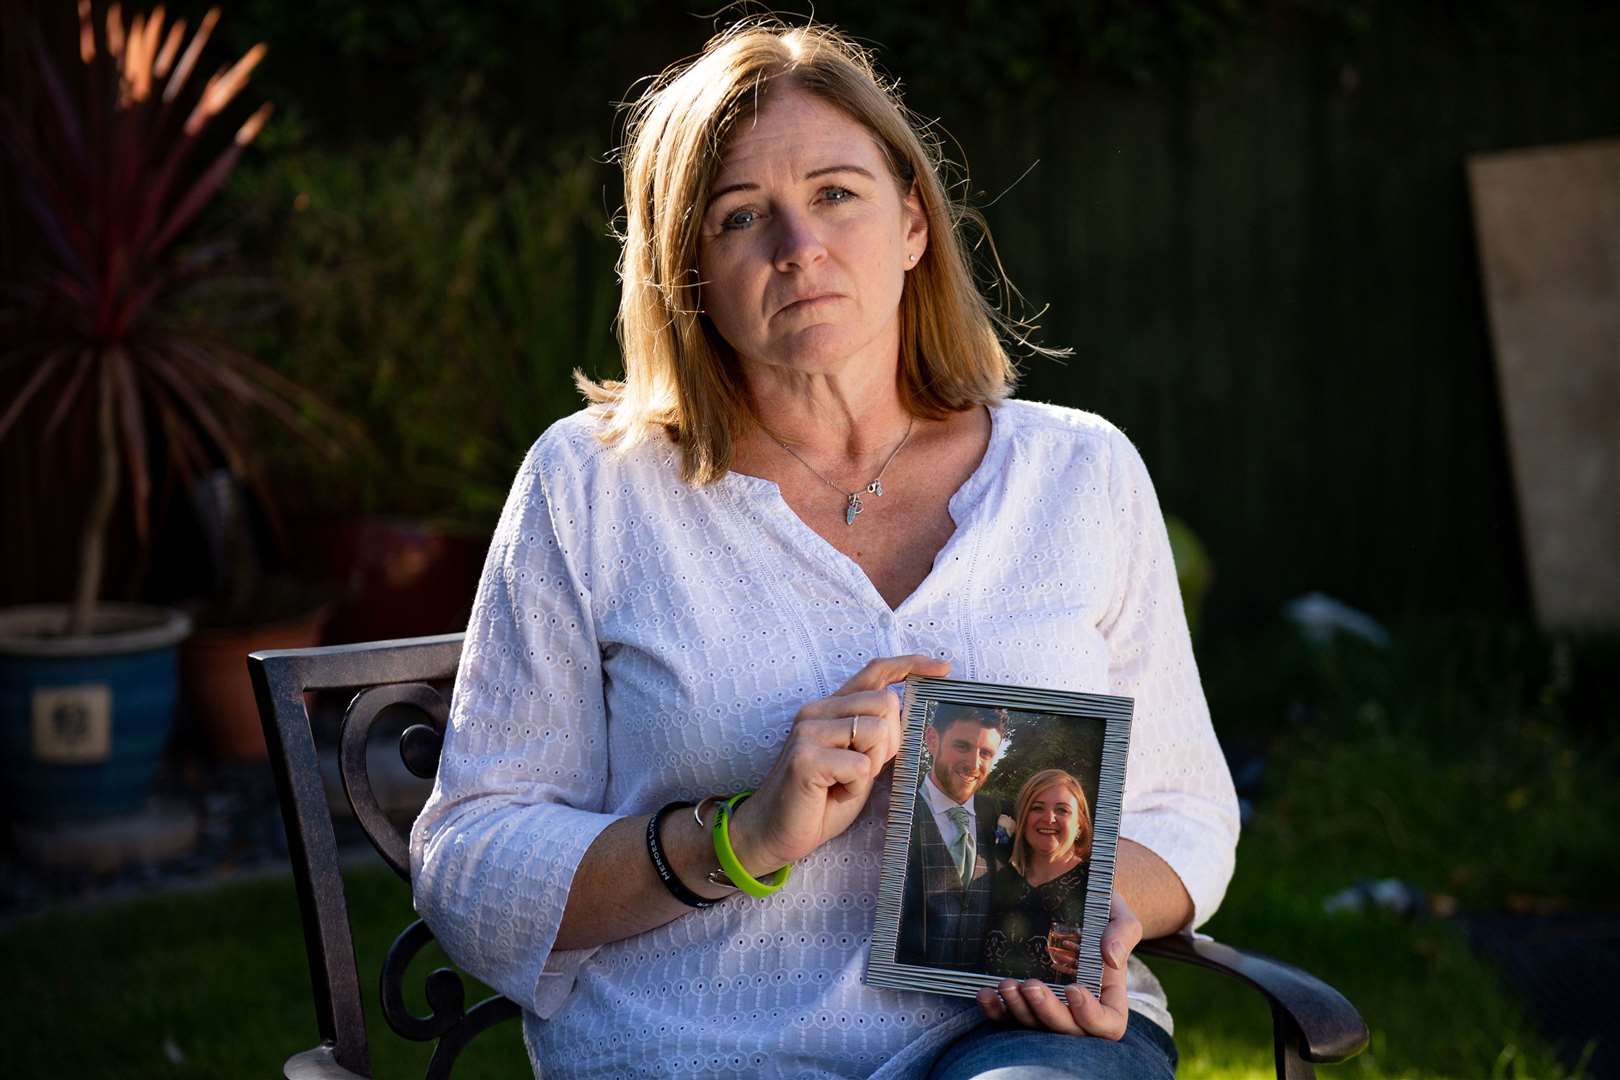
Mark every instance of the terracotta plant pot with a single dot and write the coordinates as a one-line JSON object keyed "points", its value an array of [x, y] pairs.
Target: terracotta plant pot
{"points": [[214, 677]]}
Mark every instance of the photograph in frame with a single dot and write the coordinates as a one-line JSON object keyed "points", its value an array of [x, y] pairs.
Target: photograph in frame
{"points": [[999, 852]]}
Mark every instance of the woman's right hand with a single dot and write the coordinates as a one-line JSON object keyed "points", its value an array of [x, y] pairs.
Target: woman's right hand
{"points": [[822, 778]]}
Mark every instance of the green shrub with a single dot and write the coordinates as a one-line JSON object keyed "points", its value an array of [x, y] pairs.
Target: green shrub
{"points": [[440, 294]]}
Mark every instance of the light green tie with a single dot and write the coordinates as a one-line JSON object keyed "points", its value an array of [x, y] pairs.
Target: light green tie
{"points": [[963, 848]]}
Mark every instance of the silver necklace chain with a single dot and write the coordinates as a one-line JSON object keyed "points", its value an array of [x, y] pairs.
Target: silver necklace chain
{"points": [[852, 499]]}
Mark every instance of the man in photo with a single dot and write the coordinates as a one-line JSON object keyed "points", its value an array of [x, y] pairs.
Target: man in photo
{"points": [[952, 857]]}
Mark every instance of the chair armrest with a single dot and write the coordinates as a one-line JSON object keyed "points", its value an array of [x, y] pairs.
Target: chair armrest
{"points": [[1330, 1029], [318, 1064]]}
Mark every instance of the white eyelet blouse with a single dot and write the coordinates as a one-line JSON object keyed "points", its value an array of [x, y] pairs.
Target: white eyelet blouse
{"points": [[636, 640]]}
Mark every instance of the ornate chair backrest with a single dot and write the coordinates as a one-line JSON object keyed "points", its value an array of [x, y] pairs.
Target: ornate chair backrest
{"points": [[383, 676]]}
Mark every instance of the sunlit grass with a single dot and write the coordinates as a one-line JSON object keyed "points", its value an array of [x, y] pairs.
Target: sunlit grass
{"points": [[1434, 1009], [1472, 760], [207, 985]]}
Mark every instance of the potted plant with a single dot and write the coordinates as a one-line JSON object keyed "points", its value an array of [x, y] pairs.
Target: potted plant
{"points": [[247, 609], [124, 154]]}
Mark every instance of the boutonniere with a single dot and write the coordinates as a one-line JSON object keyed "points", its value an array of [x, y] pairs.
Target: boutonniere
{"points": [[1004, 828]]}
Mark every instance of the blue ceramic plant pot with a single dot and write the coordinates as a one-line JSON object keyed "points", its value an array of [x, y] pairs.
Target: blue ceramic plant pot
{"points": [[84, 720]]}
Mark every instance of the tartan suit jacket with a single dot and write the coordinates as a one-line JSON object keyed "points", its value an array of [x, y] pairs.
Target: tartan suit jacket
{"points": [[941, 923]]}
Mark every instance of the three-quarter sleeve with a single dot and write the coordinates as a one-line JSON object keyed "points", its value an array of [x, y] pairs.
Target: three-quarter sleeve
{"points": [[1179, 801], [522, 776]]}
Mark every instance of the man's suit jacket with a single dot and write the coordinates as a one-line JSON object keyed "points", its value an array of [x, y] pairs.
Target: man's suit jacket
{"points": [[941, 923]]}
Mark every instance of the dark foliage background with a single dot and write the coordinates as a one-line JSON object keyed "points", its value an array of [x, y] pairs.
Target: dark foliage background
{"points": [[1039, 741], [1248, 217]]}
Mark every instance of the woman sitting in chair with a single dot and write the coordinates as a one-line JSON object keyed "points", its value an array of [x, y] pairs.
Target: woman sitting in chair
{"points": [[810, 484]]}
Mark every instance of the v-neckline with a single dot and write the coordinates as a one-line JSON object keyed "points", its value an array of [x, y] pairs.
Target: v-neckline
{"points": [[962, 498]]}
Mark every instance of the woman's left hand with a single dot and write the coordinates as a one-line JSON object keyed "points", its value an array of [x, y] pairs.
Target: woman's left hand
{"points": [[1032, 1004]]}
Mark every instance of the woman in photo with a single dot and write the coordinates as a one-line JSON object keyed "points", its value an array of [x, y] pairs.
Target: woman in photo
{"points": [[1039, 901], [658, 818]]}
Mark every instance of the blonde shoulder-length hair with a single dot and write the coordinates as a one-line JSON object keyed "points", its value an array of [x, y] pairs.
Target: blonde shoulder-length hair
{"points": [[680, 374], [1026, 795]]}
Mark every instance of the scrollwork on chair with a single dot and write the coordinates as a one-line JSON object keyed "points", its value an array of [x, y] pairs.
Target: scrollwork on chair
{"points": [[391, 842], [448, 1021]]}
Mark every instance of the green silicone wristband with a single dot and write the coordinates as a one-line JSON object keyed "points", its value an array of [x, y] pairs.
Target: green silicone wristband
{"points": [[727, 855]]}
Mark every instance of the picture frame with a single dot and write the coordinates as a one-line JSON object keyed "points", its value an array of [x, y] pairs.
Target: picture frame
{"points": [[954, 916]]}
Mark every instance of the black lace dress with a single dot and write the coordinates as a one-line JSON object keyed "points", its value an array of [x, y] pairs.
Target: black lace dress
{"points": [[1015, 944]]}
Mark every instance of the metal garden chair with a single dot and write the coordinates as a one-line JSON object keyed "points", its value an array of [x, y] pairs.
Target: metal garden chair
{"points": [[1311, 1022]]}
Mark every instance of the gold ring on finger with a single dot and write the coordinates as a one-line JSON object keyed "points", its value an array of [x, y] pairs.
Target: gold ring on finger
{"points": [[854, 725]]}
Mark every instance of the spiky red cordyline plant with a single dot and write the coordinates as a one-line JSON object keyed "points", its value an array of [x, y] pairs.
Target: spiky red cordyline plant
{"points": [[110, 182]]}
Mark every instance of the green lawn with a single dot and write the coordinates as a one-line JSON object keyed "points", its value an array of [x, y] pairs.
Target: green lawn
{"points": [[211, 984], [1473, 761]]}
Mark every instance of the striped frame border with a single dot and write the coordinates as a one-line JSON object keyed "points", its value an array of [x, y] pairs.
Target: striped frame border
{"points": [[922, 693]]}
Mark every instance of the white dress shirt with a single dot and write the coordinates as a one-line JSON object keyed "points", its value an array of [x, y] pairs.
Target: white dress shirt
{"points": [[940, 804], [637, 640]]}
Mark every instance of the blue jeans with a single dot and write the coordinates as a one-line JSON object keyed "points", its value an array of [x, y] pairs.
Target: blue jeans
{"points": [[998, 1052]]}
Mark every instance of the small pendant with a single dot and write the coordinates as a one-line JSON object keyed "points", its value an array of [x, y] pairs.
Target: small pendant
{"points": [[875, 487], [852, 509]]}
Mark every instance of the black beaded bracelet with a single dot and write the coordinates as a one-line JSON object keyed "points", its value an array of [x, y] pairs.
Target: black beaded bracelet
{"points": [[666, 873]]}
